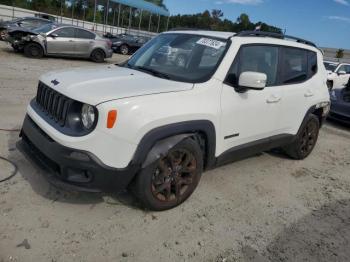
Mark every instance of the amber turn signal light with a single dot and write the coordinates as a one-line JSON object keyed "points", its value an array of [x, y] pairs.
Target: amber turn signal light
{"points": [[111, 118]]}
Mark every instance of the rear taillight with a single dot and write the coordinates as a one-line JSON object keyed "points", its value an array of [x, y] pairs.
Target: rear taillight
{"points": [[109, 43]]}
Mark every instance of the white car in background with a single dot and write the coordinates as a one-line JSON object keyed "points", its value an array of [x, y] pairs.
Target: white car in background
{"points": [[338, 74]]}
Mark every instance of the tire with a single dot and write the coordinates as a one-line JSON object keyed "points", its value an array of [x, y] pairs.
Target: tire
{"points": [[306, 139], [33, 50], [98, 56], [166, 183], [181, 61], [124, 49]]}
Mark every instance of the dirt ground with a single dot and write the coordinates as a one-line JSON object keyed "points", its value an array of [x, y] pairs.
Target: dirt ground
{"points": [[264, 208]]}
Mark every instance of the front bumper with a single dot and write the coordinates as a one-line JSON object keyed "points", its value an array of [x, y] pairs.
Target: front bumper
{"points": [[79, 170]]}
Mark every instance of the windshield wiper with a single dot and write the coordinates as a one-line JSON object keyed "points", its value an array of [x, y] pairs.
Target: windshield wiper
{"points": [[153, 72]]}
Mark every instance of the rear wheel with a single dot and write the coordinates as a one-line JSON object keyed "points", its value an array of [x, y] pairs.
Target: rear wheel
{"points": [[306, 139], [33, 50], [172, 179], [124, 49], [98, 56]]}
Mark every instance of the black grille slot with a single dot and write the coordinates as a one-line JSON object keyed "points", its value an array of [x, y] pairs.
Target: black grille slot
{"points": [[54, 104]]}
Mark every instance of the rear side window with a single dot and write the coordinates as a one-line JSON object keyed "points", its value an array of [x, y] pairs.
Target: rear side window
{"points": [[80, 33], [294, 65], [255, 58]]}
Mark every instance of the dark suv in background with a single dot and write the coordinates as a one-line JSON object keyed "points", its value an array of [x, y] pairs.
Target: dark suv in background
{"points": [[127, 44], [340, 104]]}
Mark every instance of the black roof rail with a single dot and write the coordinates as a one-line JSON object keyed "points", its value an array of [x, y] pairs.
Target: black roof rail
{"points": [[275, 35]]}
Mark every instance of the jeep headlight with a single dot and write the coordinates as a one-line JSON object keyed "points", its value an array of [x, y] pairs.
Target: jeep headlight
{"points": [[88, 116]]}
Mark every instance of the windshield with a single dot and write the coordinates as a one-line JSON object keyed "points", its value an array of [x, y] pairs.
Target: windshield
{"points": [[330, 66], [180, 57], [45, 28]]}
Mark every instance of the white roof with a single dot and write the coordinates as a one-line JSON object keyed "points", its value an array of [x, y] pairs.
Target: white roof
{"points": [[216, 34]]}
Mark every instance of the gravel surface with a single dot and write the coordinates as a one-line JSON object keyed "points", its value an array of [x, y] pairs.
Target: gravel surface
{"points": [[264, 208]]}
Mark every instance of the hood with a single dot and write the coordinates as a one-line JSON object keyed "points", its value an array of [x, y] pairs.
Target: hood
{"points": [[15, 29], [96, 85]]}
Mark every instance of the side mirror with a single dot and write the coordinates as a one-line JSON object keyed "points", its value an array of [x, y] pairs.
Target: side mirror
{"points": [[252, 80], [341, 73], [53, 35]]}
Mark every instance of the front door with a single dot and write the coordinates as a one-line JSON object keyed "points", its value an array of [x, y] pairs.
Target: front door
{"points": [[61, 42], [251, 115]]}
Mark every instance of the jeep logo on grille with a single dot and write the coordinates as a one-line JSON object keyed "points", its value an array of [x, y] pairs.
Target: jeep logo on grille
{"points": [[55, 82]]}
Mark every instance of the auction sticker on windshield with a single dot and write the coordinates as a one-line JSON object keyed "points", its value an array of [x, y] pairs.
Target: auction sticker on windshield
{"points": [[211, 43]]}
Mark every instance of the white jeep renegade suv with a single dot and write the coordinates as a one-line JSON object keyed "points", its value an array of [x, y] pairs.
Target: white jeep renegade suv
{"points": [[153, 125]]}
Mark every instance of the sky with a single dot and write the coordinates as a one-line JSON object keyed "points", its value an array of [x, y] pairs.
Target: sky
{"points": [[325, 22]]}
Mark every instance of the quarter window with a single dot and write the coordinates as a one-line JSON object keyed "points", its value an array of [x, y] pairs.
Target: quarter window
{"points": [[294, 66], [80, 33]]}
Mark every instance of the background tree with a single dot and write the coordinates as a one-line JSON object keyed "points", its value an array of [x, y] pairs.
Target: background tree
{"points": [[339, 54]]}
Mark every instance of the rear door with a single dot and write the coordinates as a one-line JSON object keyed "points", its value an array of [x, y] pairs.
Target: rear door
{"points": [[61, 42], [300, 87], [84, 42]]}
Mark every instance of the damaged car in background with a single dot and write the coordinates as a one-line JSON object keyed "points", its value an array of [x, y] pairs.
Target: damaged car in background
{"points": [[25, 23], [60, 40]]}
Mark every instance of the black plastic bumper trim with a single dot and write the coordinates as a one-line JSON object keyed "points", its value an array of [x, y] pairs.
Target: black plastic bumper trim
{"points": [[78, 169]]}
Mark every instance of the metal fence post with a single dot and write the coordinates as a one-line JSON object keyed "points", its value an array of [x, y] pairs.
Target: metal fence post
{"points": [[107, 16], [95, 15], [140, 21], [158, 23], [149, 24], [167, 23], [118, 18], [72, 6], [129, 19]]}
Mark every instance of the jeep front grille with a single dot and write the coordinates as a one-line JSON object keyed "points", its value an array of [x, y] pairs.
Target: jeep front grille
{"points": [[54, 104]]}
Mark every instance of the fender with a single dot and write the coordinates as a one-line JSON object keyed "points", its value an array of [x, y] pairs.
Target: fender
{"points": [[150, 139], [162, 147]]}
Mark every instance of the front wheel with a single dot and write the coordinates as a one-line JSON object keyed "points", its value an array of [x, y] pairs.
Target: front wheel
{"points": [[171, 179], [306, 139], [33, 50], [124, 49]]}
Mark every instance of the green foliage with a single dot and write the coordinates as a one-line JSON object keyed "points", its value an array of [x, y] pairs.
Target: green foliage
{"points": [[209, 20], [214, 21], [340, 53]]}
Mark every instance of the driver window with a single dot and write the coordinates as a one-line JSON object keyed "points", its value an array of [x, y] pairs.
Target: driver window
{"points": [[255, 58]]}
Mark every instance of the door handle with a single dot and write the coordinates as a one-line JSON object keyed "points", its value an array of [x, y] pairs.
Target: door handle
{"points": [[309, 94], [273, 99], [71, 41]]}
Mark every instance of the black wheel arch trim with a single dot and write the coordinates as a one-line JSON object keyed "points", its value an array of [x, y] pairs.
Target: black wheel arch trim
{"points": [[201, 127]]}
